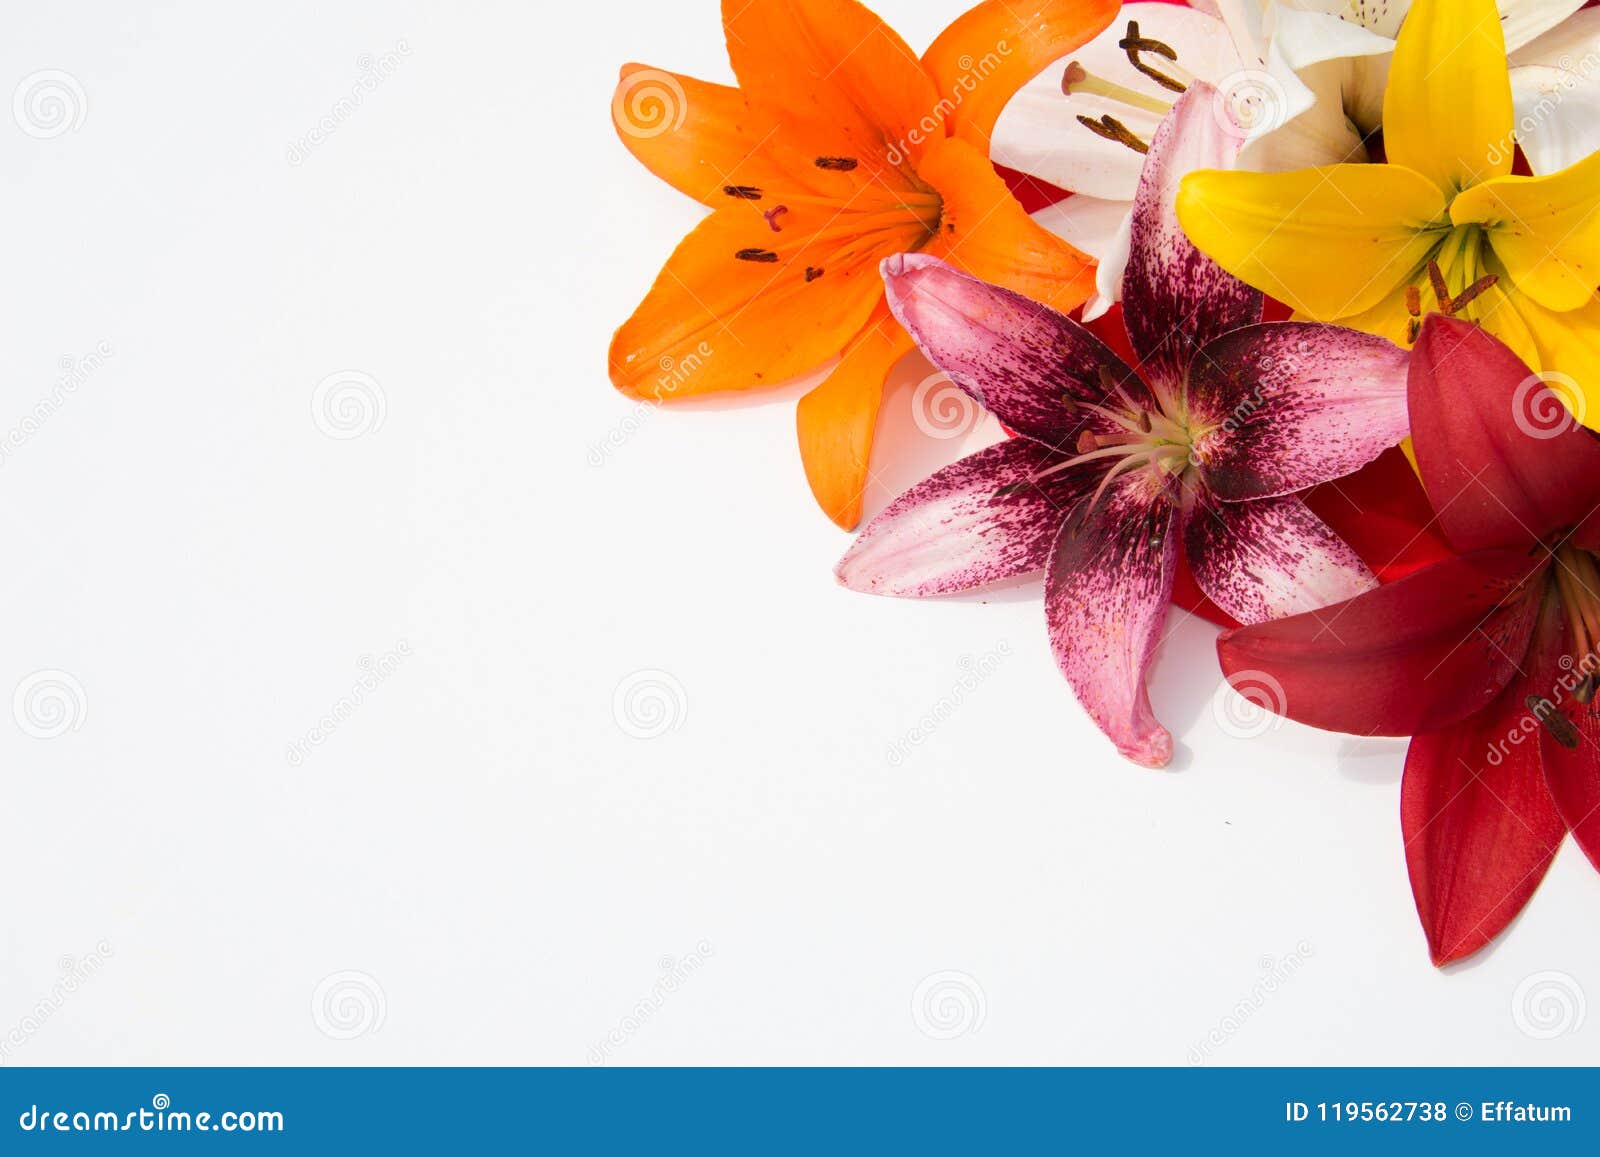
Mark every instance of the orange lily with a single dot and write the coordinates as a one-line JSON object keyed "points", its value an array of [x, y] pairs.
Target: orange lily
{"points": [[838, 149]]}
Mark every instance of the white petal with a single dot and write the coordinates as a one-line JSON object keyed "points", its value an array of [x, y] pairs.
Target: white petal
{"points": [[1527, 20], [1086, 223], [1108, 274], [1573, 45], [1558, 116], [1038, 132]]}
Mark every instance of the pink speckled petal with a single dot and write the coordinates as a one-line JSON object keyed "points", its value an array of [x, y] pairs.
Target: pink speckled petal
{"points": [[1018, 359], [1106, 595], [974, 522], [1294, 404], [1268, 559], [1174, 298]]}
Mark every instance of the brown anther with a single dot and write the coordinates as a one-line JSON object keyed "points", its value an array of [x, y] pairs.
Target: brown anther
{"points": [[1558, 725], [812, 273], [1584, 692], [742, 192], [1087, 442], [772, 216], [1144, 421], [1133, 44], [1474, 291], [1441, 291], [836, 164], [1413, 301], [1075, 74], [760, 256], [1112, 129], [1069, 403]]}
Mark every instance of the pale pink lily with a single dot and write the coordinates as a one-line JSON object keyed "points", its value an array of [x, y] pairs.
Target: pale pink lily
{"points": [[1116, 471]]}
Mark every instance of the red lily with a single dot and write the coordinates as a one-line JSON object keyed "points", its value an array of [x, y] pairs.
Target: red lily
{"points": [[1489, 659]]}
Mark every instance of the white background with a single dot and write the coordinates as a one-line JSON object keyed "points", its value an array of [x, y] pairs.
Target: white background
{"points": [[506, 868]]}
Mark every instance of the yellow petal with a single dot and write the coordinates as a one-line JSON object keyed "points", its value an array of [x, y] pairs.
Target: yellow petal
{"points": [[1569, 356], [835, 422], [1546, 231], [1328, 242], [1447, 112], [981, 60]]}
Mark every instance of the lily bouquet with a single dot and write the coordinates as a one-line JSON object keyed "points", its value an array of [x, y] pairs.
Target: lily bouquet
{"points": [[1199, 260]]}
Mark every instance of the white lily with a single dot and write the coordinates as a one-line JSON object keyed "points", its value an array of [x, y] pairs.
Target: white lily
{"points": [[1300, 81]]}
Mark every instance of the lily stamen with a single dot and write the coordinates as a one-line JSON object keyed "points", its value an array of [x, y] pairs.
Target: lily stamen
{"points": [[1077, 79], [1133, 44], [1112, 129]]}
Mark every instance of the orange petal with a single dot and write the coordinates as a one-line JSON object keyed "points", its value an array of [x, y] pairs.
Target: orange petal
{"points": [[980, 61], [987, 233], [715, 321], [836, 68], [836, 420], [700, 138]]}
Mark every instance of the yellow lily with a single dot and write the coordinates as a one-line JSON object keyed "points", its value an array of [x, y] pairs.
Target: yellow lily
{"points": [[1442, 225]]}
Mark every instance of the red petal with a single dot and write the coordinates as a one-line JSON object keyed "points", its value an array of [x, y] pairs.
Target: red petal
{"points": [[1496, 471], [1413, 656], [1479, 826], [1570, 752]]}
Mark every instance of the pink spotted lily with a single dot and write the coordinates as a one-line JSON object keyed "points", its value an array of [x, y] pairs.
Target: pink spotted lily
{"points": [[1114, 471]]}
